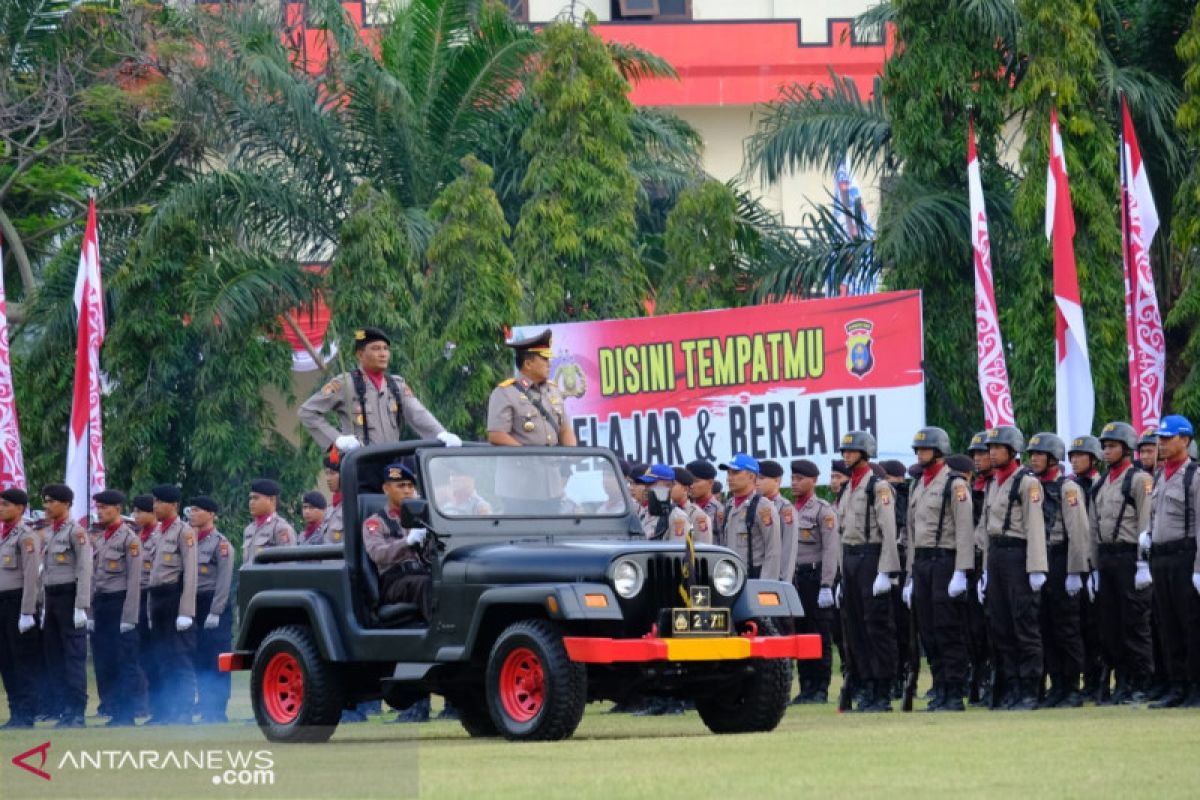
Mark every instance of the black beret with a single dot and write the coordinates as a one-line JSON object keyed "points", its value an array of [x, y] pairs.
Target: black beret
{"points": [[109, 497], [805, 468], [894, 468], [960, 463], [399, 471], [314, 499], [364, 336], [770, 469], [205, 503], [682, 475], [58, 491], [839, 466], [15, 496], [264, 486], [704, 470], [143, 502], [915, 470], [167, 493], [329, 463]]}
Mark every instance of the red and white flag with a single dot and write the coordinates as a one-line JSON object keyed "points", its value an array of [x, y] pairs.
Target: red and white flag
{"points": [[1074, 394], [1143, 325], [85, 445], [993, 373], [12, 463]]}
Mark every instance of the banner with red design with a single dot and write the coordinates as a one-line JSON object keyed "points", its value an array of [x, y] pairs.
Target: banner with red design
{"points": [[779, 381], [12, 463]]}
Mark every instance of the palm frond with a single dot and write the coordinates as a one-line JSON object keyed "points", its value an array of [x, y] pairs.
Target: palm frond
{"points": [[637, 64]]}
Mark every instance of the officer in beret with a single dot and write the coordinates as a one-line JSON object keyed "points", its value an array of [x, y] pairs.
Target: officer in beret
{"points": [[839, 473], [770, 478], [399, 554], [703, 475], [312, 511], [331, 528], [752, 522], [67, 578], [814, 573], [529, 409], [145, 524], [172, 613], [214, 575], [686, 515], [20, 644], [372, 405], [267, 529], [117, 582]]}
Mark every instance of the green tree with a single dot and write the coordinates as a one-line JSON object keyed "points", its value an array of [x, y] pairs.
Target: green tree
{"points": [[575, 240], [702, 270], [471, 297], [1184, 320]]}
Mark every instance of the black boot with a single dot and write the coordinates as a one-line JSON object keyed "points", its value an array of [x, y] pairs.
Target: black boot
{"points": [[1121, 692], [18, 721], [1054, 696], [1192, 698], [937, 696], [1071, 696], [952, 697], [417, 712], [1026, 695], [69, 720], [881, 697], [1174, 697], [1138, 689], [1009, 693]]}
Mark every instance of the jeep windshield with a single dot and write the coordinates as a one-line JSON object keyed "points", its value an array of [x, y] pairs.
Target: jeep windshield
{"points": [[509, 482]]}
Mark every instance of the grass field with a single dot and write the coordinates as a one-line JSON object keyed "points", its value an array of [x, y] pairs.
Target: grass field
{"points": [[1126, 752]]}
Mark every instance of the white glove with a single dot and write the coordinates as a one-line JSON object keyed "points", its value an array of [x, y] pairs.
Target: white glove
{"points": [[825, 596], [415, 537], [906, 593], [1074, 584], [211, 621], [1141, 578], [981, 587], [80, 618], [1195, 582], [1144, 541], [1037, 580], [449, 439], [25, 623], [347, 443], [42, 621], [882, 585], [127, 627], [149, 623], [183, 623], [958, 584], [837, 595], [91, 626], [1094, 585]]}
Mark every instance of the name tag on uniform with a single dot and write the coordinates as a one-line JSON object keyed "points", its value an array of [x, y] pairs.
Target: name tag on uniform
{"points": [[337, 536], [806, 534], [168, 557], [147, 565], [7, 559], [204, 568], [112, 564], [60, 557]]}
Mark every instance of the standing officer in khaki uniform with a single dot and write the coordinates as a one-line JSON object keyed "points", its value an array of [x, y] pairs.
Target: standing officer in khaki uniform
{"points": [[816, 566], [331, 530], [146, 526], [941, 552], [769, 479], [267, 529], [1086, 456], [1068, 548], [115, 605], [751, 521], [20, 647], [867, 520], [703, 475], [529, 409], [67, 578], [173, 611], [1016, 569], [686, 515], [214, 575], [372, 406], [1121, 575]]}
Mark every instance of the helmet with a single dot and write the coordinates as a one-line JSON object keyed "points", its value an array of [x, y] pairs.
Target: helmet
{"points": [[1149, 436], [1049, 444], [1087, 444], [860, 441], [977, 443], [935, 438], [1176, 425], [1119, 432], [1008, 435]]}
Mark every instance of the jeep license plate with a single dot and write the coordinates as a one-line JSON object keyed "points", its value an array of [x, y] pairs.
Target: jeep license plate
{"points": [[699, 622]]}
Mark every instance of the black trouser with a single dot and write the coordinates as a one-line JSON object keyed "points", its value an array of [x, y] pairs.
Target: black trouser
{"points": [[941, 619], [977, 624], [870, 622], [901, 612], [1124, 613], [814, 673], [398, 586], [20, 659], [115, 655], [66, 648], [173, 652], [1089, 623], [149, 691], [1062, 634], [1013, 614], [1178, 607], [212, 685]]}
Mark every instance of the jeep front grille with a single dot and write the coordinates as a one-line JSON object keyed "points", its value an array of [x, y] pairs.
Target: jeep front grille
{"points": [[664, 575]]}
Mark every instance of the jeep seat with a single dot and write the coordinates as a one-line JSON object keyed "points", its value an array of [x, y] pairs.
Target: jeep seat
{"points": [[393, 615]]}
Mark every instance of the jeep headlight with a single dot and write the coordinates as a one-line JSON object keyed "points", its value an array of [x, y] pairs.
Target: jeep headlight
{"points": [[727, 577], [627, 578]]}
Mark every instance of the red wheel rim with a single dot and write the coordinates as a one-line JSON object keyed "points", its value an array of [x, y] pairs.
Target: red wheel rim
{"points": [[283, 688], [522, 684]]}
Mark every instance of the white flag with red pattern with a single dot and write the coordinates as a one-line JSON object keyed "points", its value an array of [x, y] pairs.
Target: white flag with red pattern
{"points": [[12, 463]]}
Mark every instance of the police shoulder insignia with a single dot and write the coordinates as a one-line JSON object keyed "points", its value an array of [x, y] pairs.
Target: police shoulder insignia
{"points": [[830, 520], [679, 526], [884, 494], [407, 391], [134, 548], [1035, 494], [283, 537], [764, 516], [787, 515], [81, 537], [1072, 497], [720, 516], [29, 545], [506, 383], [960, 493], [702, 523], [332, 387], [373, 525], [1149, 487], [189, 539]]}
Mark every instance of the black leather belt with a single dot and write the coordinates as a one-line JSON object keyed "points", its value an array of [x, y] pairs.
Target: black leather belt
{"points": [[60, 588], [1008, 543], [1173, 548], [933, 553], [862, 549], [1117, 549]]}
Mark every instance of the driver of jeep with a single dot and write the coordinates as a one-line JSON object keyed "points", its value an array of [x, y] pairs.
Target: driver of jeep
{"points": [[399, 553]]}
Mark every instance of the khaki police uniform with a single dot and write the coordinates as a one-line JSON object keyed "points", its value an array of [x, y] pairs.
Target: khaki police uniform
{"points": [[1068, 545], [20, 653], [377, 419], [404, 572], [683, 518], [1175, 530], [755, 540], [214, 576], [816, 566], [172, 590], [117, 584], [67, 578], [787, 537], [715, 510], [146, 655], [274, 531], [533, 415]]}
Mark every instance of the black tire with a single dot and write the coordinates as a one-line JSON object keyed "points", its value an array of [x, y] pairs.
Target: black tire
{"points": [[554, 687], [283, 715], [472, 708], [757, 703]]}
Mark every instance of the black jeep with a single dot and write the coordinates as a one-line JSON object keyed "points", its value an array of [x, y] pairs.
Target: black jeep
{"points": [[546, 596]]}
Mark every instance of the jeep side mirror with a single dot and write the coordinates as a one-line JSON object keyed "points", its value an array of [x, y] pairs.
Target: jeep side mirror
{"points": [[414, 513]]}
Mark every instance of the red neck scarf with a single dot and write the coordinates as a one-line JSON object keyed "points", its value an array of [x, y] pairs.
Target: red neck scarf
{"points": [[337, 499], [1171, 467], [146, 532], [108, 532], [310, 529], [1118, 470], [1049, 475], [931, 472], [263, 519], [857, 476], [1005, 472], [737, 501], [376, 378], [166, 523], [802, 500], [202, 534]]}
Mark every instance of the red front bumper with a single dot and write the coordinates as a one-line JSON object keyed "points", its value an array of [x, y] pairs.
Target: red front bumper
{"points": [[590, 650]]}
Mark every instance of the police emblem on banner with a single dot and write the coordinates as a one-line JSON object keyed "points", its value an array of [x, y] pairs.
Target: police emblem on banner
{"points": [[859, 358]]}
